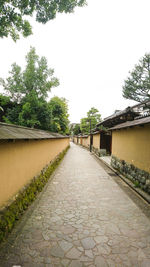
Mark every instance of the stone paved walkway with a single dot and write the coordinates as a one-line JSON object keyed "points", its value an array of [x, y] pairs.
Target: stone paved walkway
{"points": [[82, 218]]}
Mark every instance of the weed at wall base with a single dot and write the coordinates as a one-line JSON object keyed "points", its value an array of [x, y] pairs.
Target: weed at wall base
{"points": [[10, 214]]}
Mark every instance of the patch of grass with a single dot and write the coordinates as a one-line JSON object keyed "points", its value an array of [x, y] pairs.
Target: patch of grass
{"points": [[136, 184]]}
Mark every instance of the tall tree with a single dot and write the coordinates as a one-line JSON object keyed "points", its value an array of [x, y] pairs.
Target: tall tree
{"points": [[36, 79], [137, 85], [85, 126], [14, 12], [88, 123], [74, 129], [58, 108], [28, 90]]}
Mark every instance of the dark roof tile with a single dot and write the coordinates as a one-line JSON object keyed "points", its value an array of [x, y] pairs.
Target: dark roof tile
{"points": [[10, 131], [133, 123]]}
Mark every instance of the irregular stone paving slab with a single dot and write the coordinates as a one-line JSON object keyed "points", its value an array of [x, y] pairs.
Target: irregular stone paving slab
{"points": [[65, 245], [88, 243], [100, 262], [73, 254], [68, 229], [57, 252], [75, 264], [65, 262], [82, 218], [89, 253]]}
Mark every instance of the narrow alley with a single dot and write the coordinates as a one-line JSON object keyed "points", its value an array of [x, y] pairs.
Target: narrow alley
{"points": [[82, 218]]}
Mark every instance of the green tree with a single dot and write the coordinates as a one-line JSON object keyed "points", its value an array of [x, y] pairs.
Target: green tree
{"points": [[137, 85], [94, 116], [58, 108], [5, 102], [75, 129], [28, 90], [36, 79], [85, 126], [10, 110], [88, 123], [13, 14]]}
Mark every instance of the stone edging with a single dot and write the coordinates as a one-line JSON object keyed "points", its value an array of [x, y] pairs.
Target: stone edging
{"points": [[140, 178], [139, 191]]}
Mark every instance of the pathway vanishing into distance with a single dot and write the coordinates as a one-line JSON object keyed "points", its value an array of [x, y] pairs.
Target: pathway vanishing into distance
{"points": [[82, 218]]}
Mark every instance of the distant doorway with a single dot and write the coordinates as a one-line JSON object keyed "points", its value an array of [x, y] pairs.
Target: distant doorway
{"points": [[106, 141]]}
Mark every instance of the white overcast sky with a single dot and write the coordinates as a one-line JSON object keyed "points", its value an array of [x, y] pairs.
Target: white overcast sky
{"points": [[91, 50]]}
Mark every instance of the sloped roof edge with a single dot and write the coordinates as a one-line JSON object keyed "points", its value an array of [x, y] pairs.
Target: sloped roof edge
{"points": [[133, 123], [118, 114], [12, 132]]}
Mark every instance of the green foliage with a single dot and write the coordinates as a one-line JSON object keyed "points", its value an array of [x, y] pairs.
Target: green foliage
{"points": [[13, 84], [58, 108], [13, 12], [5, 101], [85, 126], [13, 212], [37, 79], [75, 129], [12, 114], [27, 116], [28, 91], [88, 123], [136, 184], [137, 85], [34, 112], [10, 110]]}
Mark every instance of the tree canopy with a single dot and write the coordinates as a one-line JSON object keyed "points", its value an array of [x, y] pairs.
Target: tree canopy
{"points": [[13, 14], [58, 108], [137, 85], [75, 129], [36, 80], [25, 102], [88, 123]]}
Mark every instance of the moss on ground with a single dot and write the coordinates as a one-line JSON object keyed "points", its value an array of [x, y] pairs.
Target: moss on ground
{"points": [[10, 214]]}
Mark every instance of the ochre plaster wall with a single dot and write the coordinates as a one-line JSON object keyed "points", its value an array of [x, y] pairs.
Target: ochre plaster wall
{"points": [[80, 141], [88, 141], [84, 141], [20, 161], [133, 146], [96, 140], [75, 140]]}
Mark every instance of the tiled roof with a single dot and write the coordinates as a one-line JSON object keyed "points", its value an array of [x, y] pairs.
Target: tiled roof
{"points": [[127, 124], [12, 132], [117, 114], [119, 117]]}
